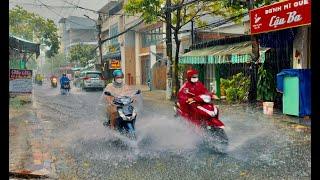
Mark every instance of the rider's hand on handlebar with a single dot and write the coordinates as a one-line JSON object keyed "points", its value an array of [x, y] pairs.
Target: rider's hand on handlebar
{"points": [[190, 100], [215, 97]]}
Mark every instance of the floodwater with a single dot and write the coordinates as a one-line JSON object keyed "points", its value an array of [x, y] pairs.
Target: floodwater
{"points": [[260, 147]]}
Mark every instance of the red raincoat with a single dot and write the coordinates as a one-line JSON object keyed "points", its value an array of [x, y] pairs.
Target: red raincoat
{"points": [[191, 90]]}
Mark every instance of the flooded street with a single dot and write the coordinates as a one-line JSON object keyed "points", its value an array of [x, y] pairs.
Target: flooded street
{"points": [[80, 147]]}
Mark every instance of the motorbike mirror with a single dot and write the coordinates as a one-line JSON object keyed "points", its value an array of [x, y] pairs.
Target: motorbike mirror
{"points": [[107, 93], [138, 92]]}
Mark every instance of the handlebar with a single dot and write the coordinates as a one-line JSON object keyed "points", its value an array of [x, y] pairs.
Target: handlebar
{"points": [[107, 93]]}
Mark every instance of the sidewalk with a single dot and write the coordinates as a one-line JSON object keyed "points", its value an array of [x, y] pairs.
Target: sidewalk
{"points": [[160, 95], [28, 145]]}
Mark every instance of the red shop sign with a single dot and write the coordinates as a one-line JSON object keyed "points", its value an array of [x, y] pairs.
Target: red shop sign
{"points": [[282, 15]]}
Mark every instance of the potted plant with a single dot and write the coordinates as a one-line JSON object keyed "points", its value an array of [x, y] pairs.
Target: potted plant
{"points": [[266, 89]]}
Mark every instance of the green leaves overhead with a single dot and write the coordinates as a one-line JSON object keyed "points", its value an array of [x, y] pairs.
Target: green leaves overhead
{"points": [[32, 27], [82, 53], [149, 10], [154, 10]]}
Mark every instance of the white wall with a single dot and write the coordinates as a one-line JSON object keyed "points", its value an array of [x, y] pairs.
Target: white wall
{"points": [[137, 58]]}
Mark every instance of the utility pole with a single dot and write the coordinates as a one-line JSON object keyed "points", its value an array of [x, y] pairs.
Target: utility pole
{"points": [[169, 50], [99, 24], [252, 97]]}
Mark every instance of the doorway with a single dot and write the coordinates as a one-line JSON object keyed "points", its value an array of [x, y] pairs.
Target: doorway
{"points": [[145, 69]]}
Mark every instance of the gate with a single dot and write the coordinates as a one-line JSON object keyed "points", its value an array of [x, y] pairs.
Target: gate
{"points": [[159, 76], [145, 69]]}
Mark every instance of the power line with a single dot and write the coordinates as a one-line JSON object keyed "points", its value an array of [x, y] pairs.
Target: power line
{"points": [[175, 7], [211, 25], [76, 8], [87, 9], [217, 23], [66, 12], [60, 15], [123, 32], [41, 5]]}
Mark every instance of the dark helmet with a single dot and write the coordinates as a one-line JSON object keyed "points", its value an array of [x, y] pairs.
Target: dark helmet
{"points": [[117, 73], [64, 74]]}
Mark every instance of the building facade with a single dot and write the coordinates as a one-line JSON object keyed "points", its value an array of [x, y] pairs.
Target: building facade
{"points": [[74, 30], [139, 51]]}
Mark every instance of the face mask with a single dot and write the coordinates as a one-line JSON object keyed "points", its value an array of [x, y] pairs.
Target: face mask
{"points": [[119, 80], [194, 80]]}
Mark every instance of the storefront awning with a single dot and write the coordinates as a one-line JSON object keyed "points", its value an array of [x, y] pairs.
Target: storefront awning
{"points": [[229, 53], [23, 45]]}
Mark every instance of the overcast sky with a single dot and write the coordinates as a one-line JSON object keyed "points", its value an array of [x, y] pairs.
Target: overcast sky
{"points": [[57, 13]]}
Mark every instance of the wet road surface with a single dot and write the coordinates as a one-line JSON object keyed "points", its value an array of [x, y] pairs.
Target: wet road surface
{"points": [[260, 147]]}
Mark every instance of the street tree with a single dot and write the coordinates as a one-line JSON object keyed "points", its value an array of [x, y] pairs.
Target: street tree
{"points": [[81, 53], [53, 63], [182, 12], [33, 27]]}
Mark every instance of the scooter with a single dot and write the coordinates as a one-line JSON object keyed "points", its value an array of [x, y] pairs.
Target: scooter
{"points": [[125, 123], [54, 82], [65, 88], [208, 121]]}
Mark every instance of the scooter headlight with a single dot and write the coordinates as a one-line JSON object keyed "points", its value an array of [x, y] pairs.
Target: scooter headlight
{"points": [[122, 115], [206, 98]]}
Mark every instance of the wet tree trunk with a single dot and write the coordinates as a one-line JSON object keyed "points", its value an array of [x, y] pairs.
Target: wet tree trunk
{"points": [[252, 97], [176, 62], [176, 58], [169, 51]]}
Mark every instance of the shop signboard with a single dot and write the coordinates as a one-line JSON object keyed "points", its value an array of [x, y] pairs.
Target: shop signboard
{"points": [[114, 64], [20, 81], [282, 15]]}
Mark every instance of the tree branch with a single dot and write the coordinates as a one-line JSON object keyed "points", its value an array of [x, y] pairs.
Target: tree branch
{"points": [[191, 18]]}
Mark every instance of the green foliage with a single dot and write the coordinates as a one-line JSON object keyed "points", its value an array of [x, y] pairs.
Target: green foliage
{"points": [[54, 63], [32, 27], [236, 88], [82, 53], [266, 85], [224, 84], [153, 10], [149, 10], [231, 93]]}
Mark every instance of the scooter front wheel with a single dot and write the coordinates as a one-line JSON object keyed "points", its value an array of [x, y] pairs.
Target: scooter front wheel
{"points": [[220, 134], [131, 132], [220, 139]]}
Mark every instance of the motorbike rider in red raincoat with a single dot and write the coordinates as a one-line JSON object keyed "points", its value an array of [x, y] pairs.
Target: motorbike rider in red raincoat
{"points": [[189, 94]]}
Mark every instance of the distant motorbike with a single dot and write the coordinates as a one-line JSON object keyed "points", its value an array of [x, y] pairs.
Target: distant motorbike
{"points": [[54, 82], [208, 121], [65, 88], [125, 123], [38, 79]]}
